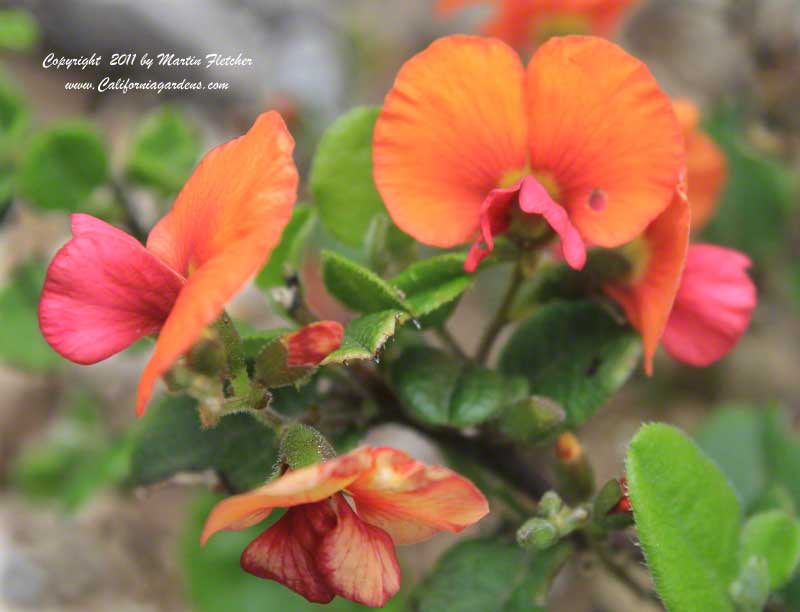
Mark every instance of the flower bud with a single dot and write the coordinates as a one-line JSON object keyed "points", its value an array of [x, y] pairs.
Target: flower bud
{"points": [[537, 533], [302, 445]]}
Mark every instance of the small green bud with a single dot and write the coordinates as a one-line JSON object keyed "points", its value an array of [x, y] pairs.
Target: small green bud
{"points": [[302, 445], [537, 533], [550, 504], [750, 590]]}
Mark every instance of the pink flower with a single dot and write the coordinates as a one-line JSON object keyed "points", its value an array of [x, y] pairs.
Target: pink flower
{"points": [[713, 306], [323, 547]]}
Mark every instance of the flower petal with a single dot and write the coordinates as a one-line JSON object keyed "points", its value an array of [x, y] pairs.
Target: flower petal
{"points": [[358, 560], [534, 199], [226, 221], [522, 23], [287, 551], [302, 486], [647, 300], [412, 501], [706, 168], [309, 345], [103, 291], [600, 124], [713, 307], [451, 127]]}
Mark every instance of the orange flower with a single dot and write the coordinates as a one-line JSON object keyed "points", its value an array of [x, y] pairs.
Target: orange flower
{"points": [[583, 144], [322, 547], [706, 168], [522, 23], [104, 290], [657, 260]]}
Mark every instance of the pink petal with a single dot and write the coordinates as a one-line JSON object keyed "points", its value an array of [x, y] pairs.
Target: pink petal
{"points": [[494, 217], [713, 306], [534, 199], [103, 291], [287, 551], [358, 560]]}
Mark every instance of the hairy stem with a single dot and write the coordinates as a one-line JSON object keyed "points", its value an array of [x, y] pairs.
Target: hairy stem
{"points": [[501, 318], [234, 353]]}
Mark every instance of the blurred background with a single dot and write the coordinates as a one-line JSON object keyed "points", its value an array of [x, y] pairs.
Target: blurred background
{"points": [[72, 536]]}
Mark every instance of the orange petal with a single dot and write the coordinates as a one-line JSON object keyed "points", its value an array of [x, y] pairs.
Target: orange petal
{"points": [[706, 168], [647, 301], [451, 127], [358, 560], [600, 124], [412, 501], [226, 221], [287, 551], [303, 486]]}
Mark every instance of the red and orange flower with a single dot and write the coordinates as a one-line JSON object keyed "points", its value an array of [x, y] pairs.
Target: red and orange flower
{"points": [[104, 290], [582, 144], [526, 23], [323, 547], [696, 299]]}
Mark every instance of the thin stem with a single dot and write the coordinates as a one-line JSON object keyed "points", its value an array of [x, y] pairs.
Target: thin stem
{"points": [[272, 418], [501, 318], [621, 574], [449, 341], [131, 220]]}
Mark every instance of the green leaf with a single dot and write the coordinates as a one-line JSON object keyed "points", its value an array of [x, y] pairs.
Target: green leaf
{"points": [[19, 31], [531, 420], [687, 517], [733, 438], [341, 176], [14, 122], [782, 448], [365, 336], [171, 440], [357, 287], [63, 166], [164, 151], [775, 536], [480, 575], [437, 389], [575, 354], [753, 211], [433, 287], [216, 583], [285, 260], [21, 342]]}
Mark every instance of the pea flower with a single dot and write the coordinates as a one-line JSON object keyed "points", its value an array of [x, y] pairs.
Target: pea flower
{"points": [[706, 167], [104, 290], [522, 22], [323, 547], [697, 299], [582, 144]]}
